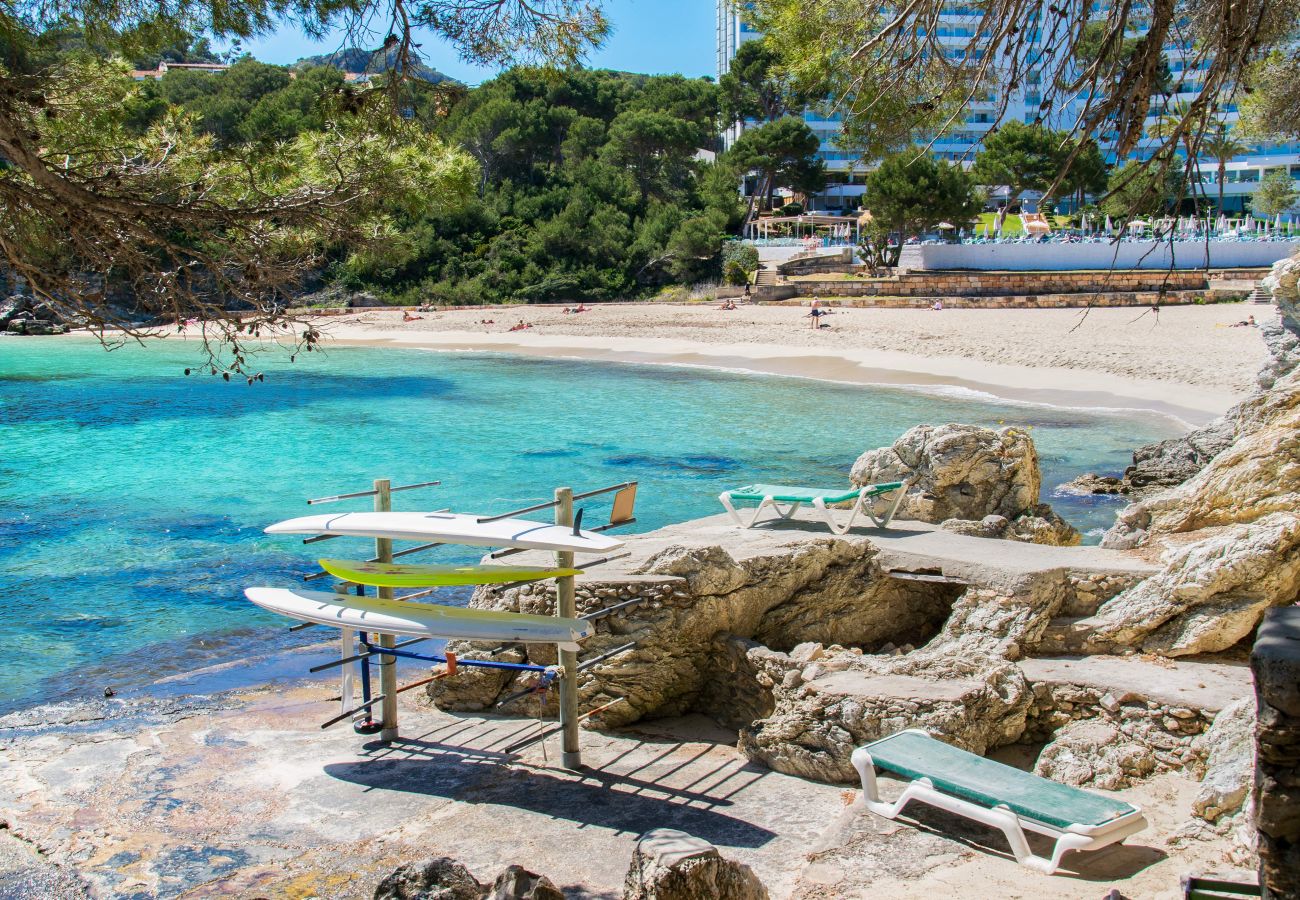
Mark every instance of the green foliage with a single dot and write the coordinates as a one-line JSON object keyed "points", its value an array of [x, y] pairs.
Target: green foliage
{"points": [[1022, 157], [755, 87], [589, 190], [1276, 194], [783, 153], [1270, 111], [1135, 189], [356, 59], [911, 192], [739, 261]]}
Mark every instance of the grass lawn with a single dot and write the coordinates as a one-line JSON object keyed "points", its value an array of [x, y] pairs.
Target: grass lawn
{"points": [[1012, 227]]}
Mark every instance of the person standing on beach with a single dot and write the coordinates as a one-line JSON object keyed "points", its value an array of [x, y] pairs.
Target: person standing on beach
{"points": [[816, 314]]}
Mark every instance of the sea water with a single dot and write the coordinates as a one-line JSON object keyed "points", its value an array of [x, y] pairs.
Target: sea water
{"points": [[133, 497]]}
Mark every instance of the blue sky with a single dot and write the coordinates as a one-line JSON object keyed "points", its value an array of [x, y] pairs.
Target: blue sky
{"points": [[651, 36]]}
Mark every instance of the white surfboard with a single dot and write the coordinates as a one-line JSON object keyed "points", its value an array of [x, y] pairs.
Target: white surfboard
{"points": [[450, 528], [381, 616]]}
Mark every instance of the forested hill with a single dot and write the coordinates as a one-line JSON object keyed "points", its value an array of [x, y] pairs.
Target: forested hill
{"points": [[589, 189], [355, 59]]}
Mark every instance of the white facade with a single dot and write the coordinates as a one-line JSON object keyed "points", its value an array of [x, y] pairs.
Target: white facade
{"points": [[846, 173]]}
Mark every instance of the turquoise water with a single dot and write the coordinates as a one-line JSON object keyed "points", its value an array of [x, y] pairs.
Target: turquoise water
{"points": [[132, 498]]}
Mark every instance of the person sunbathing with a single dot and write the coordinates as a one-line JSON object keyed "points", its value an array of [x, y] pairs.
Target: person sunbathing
{"points": [[407, 317]]}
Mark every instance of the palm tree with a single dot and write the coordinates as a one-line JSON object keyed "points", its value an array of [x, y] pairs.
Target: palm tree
{"points": [[1222, 147]]}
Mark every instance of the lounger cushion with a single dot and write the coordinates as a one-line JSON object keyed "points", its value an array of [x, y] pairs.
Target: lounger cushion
{"points": [[990, 783], [784, 493]]}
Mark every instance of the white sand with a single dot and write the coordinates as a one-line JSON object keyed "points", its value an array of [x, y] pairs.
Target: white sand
{"points": [[1187, 362]]}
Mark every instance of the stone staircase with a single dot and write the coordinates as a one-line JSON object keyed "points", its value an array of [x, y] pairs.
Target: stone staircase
{"points": [[766, 276], [1260, 294]]}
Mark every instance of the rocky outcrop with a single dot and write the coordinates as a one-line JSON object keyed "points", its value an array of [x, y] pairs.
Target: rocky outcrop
{"points": [[673, 865], [699, 607], [1210, 595], [957, 472], [1040, 524], [1228, 767], [973, 480], [20, 314], [439, 878], [517, 883], [442, 878], [1239, 468], [1094, 753]]}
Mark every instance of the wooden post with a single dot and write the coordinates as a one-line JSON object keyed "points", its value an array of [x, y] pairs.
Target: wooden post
{"points": [[387, 664], [566, 606]]}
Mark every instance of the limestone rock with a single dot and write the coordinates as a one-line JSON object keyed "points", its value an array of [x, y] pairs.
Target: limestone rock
{"points": [[439, 878], [1093, 753], [707, 570], [1228, 748], [1041, 524], [958, 471], [1257, 475], [1173, 461], [672, 865], [1243, 465], [517, 883], [817, 722], [1211, 593], [12, 308], [1097, 484], [987, 527]]}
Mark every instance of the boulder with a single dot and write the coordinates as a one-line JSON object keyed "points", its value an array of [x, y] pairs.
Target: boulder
{"points": [[1039, 525], [1097, 484], [1228, 751], [517, 883], [439, 878], [1094, 753], [957, 471], [672, 865], [12, 308], [1210, 594]]}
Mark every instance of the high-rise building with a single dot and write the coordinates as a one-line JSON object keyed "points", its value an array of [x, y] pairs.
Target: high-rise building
{"points": [[846, 173]]}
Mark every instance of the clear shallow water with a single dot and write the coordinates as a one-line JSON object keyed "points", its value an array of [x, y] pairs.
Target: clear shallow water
{"points": [[132, 498]]}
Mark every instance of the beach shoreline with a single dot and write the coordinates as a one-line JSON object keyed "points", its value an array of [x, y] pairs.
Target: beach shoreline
{"points": [[1190, 366]]}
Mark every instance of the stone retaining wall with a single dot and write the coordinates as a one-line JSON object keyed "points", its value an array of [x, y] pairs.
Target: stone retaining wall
{"points": [[1001, 284], [1167, 732], [800, 293]]}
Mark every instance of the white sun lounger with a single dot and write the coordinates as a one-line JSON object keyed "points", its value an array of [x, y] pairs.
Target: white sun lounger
{"points": [[774, 495], [997, 795]]}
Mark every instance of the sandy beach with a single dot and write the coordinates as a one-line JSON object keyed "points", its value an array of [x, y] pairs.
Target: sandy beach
{"points": [[1187, 361]]}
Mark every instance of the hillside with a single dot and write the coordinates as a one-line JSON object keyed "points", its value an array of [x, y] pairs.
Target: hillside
{"points": [[355, 59]]}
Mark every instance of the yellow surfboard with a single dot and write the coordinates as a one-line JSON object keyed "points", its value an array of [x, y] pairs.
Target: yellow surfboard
{"points": [[395, 575]]}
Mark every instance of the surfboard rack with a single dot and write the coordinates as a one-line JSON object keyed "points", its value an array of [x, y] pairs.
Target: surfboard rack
{"points": [[374, 648]]}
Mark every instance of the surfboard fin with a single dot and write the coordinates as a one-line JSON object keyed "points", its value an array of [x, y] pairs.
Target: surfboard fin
{"points": [[577, 523]]}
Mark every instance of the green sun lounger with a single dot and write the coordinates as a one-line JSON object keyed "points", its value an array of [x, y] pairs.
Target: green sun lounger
{"points": [[997, 795], [775, 495]]}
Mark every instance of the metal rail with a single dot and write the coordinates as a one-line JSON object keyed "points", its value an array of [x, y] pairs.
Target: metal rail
{"points": [[372, 492], [553, 503], [351, 659], [537, 738]]}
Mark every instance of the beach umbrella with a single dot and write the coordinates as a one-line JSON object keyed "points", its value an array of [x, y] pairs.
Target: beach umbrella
{"points": [[1109, 226]]}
